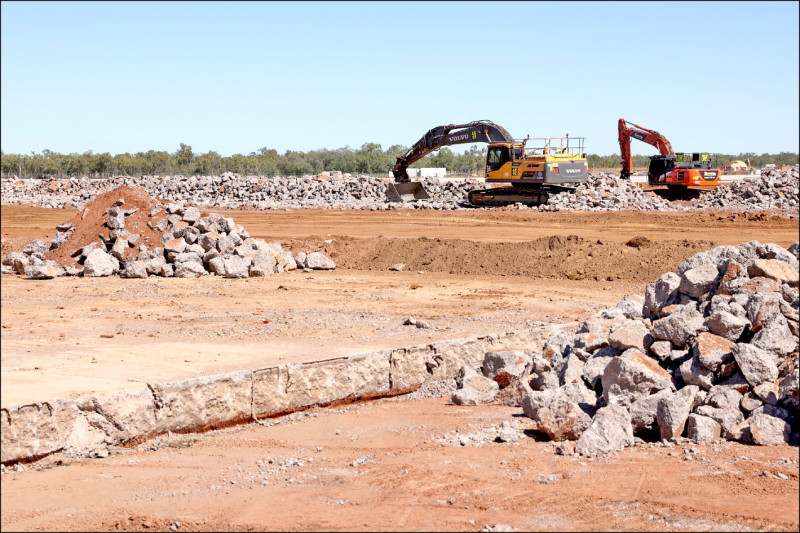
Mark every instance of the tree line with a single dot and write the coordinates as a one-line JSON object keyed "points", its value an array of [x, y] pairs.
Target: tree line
{"points": [[369, 159]]}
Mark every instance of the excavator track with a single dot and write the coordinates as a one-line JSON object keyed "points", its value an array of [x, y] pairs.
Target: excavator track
{"points": [[507, 195]]}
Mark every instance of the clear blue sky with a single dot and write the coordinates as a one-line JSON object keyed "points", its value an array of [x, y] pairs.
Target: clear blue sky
{"points": [[235, 77]]}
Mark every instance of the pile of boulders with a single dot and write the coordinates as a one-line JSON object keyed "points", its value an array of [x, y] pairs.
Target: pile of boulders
{"points": [[230, 191], [603, 192], [772, 190], [606, 193], [710, 352], [188, 245]]}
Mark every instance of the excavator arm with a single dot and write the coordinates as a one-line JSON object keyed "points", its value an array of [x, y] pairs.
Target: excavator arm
{"points": [[628, 130], [478, 131]]}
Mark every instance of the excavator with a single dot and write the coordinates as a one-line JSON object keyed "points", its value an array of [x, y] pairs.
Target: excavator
{"points": [[535, 168], [677, 171]]}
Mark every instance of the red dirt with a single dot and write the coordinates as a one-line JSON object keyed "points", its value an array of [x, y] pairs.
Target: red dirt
{"points": [[90, 223]]}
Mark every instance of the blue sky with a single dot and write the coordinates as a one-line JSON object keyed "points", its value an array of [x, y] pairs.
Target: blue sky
{"points": [[235, 77]]}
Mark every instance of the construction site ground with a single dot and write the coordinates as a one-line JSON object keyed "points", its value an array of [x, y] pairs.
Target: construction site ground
{"points": [[466, 273]]}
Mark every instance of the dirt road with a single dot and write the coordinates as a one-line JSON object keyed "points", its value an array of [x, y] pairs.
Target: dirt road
{"points": [[467, 273], [397, 465]]}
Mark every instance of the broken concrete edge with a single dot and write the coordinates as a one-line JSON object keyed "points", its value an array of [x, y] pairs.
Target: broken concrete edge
{"points": [[81, 426]]}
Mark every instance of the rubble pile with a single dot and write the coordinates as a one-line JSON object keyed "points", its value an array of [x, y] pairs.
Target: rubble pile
{"points": [[772, 190], [230, 191], [709, 352], [606, 193], [603, 192], [127, 232]]}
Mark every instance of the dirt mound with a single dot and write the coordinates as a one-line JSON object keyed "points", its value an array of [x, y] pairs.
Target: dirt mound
{"points": [[90, 223], [555, 257]]}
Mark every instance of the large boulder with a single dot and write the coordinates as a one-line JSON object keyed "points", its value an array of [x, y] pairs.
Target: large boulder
{"points": [[632, 376], [756, 365], [319, 261], [672, 412], [609, 431], [46, 270], [473, 388], [661, 293], [699, 280], [98, 263], [505, 366], [768, 430], [679, 326]]}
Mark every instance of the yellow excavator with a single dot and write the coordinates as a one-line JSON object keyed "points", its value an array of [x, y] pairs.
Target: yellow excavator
{"points": [[535, 168]]}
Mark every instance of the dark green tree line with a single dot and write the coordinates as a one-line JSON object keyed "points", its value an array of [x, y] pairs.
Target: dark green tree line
{"points": [[370, 158]]}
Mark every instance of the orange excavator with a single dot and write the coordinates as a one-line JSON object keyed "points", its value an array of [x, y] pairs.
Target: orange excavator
{"points": [[675, 170]]}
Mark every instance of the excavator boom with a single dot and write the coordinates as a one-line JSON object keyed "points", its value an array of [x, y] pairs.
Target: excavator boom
{"points": [[473, 132], [626, 130]]}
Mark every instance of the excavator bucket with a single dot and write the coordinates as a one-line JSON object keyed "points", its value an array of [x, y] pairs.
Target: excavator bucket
{"points": [[406, 192]]}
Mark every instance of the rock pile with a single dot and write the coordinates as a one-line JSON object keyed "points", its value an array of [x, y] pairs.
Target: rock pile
{"points": [[127, 232], [710, 352], [772, 190], [606, 193], [230, 191]]}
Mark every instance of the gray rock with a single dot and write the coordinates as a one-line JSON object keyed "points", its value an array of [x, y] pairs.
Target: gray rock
{"points": [[661, 293], [671, 414], [474, 389], [318, 261], [512, 363], [18, 261], [135, 269], [644, 410], [632, 376], [593, 368], [561, 419], [767, 430], [46, 270], [776, 337], [627, 308], [117, 222], [661, 350], [300, 259], [36, 246], [680, 326], [98, 263], [155, 265], [768, 392], [60, 238], [175, 246], [788, 390], [756, 365], [702, 429], [728, 419], [263, 264], [724, 397], [774, 269], [191, 215], [610, 431], [699, 280], [726, 325], [712, 350], [189, 269], [628, 335], [397, 267]]}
